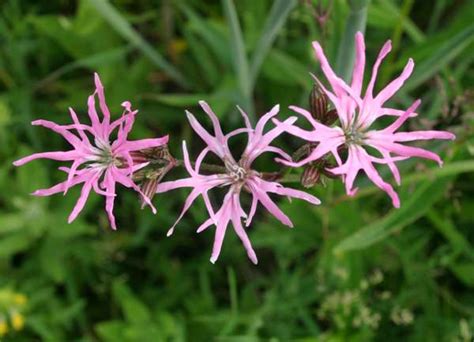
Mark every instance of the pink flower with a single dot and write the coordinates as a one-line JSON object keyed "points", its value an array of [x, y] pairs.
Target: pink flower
{"points": [[100, 164], [356, 116], [237, 175]]}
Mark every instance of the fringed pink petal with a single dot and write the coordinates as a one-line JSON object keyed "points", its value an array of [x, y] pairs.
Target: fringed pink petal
{"points": [[365, 163], [214, 145], [142, 144], [267, 202], [395, 85], [56, 155], [215, 122], [239, 230], [277, 188], [223, 218], [375, 69], [86, 189], [359, 65], [423, 135], [103, 105], [110, 200]]}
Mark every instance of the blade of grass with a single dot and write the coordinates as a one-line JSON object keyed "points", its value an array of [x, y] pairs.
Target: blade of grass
{"points": [[122, 27], [107, 56], [396, 37], [450, 232], [435, 16], [207, 30], [452, 168], [239, 56], [355, 22], [427, 194], [441, 57], [277, 17]]}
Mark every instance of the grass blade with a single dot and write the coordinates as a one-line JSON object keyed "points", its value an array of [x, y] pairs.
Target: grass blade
{"points": [[239, 56], [122, 27], [415, 207], [356, 22], [441, 57], [277, 17]]}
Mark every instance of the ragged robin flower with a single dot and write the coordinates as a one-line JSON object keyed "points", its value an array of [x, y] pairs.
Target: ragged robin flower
{"points": [[356, 133], [101, 162], [238, 175]]}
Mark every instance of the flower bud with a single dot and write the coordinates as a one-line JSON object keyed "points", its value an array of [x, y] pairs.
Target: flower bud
{"points": [[160, 162], [330, 117], [310, 175], [318, 103]]}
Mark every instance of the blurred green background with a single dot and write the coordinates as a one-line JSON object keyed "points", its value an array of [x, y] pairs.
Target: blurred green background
{"points": [[353, 269]]}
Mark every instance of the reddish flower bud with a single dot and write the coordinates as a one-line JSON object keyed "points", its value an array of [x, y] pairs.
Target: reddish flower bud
{"points": [[318, 103], [310, 175], [160, 163], [330, 117]]}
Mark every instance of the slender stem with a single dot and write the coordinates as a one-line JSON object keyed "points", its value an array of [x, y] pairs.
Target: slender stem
{"points": [[205, 166], [355, 22], [274, 176]]}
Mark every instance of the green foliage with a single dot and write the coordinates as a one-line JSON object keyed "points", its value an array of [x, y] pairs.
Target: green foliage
{"points": [[352, 269]]}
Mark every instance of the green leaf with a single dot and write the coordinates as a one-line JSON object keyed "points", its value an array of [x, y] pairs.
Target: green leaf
{"points": [[453, 168], [134, 310], [121, 25], [441, 57], [285, 69], [427, 194], [448, 229], [239, 56], [275, 20], [178, 100], [355, 22], [378, 17], [11, 222], [5, 112], [208, 72], [111, 330], [210, 31], [52, 259], [91, 61], [464, 272], [13, 244]]}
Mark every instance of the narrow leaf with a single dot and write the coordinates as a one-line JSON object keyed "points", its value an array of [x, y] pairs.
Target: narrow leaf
{"points": [[355, 22], [122, 27], [441, 57], [427, 194], [239, 56], [277, 17]]}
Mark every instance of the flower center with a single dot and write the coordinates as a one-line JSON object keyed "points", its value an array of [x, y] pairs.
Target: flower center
{"points": [[235, 171], [103, 155], [354, 136]]}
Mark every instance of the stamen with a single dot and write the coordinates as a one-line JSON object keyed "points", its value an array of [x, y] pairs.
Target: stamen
{"points": [[236, 172]]}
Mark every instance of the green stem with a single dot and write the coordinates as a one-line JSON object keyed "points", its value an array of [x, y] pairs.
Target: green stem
{"points": [[205, 166], [355, 22], [274, 176]]}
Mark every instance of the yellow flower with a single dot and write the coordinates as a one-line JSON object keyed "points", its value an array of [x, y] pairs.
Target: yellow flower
{"points": [[18, 321], [3, 328], [19, 299]]}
